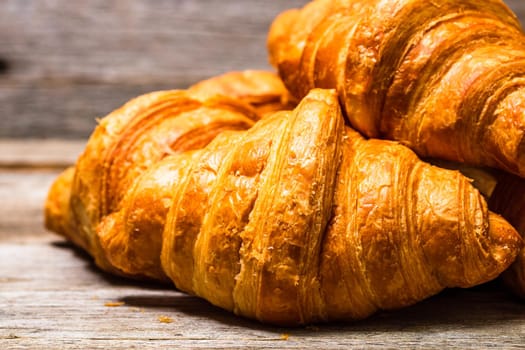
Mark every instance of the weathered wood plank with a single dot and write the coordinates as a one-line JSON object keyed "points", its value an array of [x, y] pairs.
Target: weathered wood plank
{"points": [[64, 63], [22, 195], [52, 296], [27, 169], [63, 109], [31, 153], [134, 40]]}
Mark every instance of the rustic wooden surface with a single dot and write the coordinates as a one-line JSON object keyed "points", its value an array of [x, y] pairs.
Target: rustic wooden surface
{"points": [[64, 63], [52, 295]]}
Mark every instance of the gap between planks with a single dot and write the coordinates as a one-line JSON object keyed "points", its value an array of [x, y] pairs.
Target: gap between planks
{"points": [[39, 153]]}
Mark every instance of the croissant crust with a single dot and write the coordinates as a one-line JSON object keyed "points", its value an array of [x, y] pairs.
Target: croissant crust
{"points": [[297, 219], [446, 78]]}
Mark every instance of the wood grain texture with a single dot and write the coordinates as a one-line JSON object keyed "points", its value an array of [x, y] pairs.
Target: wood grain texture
{"points": [[22, 195], [57, 299], [34, 153], [64, 63]]}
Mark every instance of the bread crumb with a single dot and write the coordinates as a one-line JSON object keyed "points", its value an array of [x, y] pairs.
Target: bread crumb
{"points": [[165, 319], [114, 303], [284, 336]]}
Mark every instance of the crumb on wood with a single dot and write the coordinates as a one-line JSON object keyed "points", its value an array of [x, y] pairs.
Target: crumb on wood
{"points": [[284, 336], [113, 303], [165, 319]]}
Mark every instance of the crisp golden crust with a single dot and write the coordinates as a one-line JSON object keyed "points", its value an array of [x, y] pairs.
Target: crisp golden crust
{"points": [[263, 90], [131, 238], [279, 258], [444, 77], [85, 202], [506, 196], [134, 138], [297, 219], [310, 222]]}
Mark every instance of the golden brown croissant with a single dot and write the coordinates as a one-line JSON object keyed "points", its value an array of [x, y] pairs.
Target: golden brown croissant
{"points": [[445, 77], [125, 144], [142, 132], [298, 219]]}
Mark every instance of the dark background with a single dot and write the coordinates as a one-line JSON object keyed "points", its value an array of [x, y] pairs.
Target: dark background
{"points": [[64, 63]]}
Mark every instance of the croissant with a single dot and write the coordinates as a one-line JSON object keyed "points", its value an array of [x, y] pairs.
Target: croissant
{"points": [[142, 132], [444, 77], [297, 219]]}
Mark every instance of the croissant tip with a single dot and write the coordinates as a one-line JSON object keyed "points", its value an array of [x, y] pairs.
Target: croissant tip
{"points": [[328, 96], [507, 241]]}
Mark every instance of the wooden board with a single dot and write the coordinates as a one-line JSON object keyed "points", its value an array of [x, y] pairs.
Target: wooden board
{"points": [[64, 63], [52, 296], [518, 7]]}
